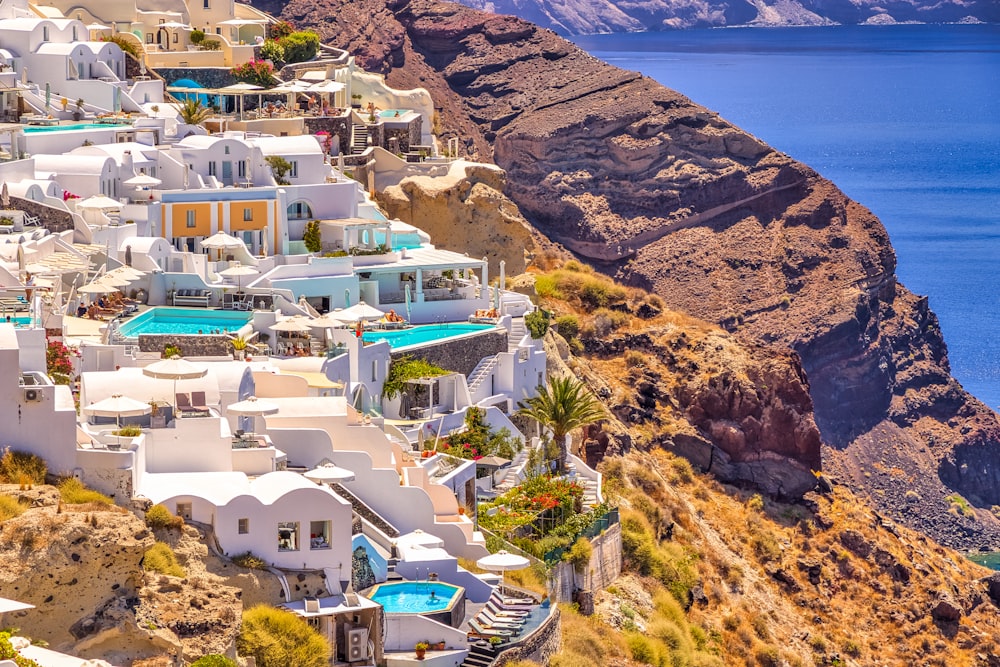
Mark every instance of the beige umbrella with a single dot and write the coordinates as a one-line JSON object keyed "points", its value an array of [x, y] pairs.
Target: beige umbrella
{"points": [[221, 241], [143, 181], [117, 406], [292, 324], [329, 320], [115, 280], [175, 368], [97, 287], [126, 272], [238, 272]]}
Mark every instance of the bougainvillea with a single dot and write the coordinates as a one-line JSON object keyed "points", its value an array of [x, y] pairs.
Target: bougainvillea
{"points": [[59, 362]]}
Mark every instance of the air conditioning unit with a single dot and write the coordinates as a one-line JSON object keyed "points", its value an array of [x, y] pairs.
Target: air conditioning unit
{"points": [[32, 395], [356, 644], [311, 605]]}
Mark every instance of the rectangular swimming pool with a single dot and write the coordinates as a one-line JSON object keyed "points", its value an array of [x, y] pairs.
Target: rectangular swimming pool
{"points": [[422, 335], [166, 320], [40, 129]]}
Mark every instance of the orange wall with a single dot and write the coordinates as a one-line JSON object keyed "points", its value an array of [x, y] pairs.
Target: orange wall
{"points": [[202, 219], [259, 209]]}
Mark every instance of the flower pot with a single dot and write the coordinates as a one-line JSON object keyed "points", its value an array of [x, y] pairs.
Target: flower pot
{"points": [[420, 653]]}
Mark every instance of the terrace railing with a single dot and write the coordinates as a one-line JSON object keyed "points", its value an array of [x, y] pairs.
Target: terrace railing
{"points": [[598, 526]]}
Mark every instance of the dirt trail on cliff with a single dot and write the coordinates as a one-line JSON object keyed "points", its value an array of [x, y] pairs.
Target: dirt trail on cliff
{"points": [[666, 195]]}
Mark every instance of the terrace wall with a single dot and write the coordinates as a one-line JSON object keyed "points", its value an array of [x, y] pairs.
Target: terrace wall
{"points": [[461, 355], [207, 345], [604, 568]]}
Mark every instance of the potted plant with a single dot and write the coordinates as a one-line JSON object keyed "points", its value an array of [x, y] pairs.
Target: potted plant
{"points": [[239, 347], [420, 648], [78, 114], [495, 643], [356, 101]]}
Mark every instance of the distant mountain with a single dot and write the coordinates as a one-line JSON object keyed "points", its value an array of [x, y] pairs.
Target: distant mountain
{"points": [[580, 17]]}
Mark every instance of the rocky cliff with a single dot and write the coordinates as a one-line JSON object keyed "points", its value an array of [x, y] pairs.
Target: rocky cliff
{"points": [[663, 193], [581, 17]]}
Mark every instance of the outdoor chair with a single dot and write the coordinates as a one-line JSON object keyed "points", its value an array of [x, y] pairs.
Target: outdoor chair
{"points": [[481, 631], [490, 621], [505, 613]]}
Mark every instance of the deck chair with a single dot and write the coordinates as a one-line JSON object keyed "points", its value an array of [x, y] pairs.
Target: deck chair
{"points": [[505, 613], [480, 631], [198, 401], [183, 403], [488, 621]]}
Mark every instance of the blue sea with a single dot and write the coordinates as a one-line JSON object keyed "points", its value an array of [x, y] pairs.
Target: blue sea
{"points": [[904, 119]]}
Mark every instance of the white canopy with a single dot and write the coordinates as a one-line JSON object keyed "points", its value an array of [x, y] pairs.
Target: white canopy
{"points": [[99, 202], [328, 472], [174, 368], [117, 406], [503, 561], [97, 287], [143, 180], [360, 311], [222, 241], [299, 324]]}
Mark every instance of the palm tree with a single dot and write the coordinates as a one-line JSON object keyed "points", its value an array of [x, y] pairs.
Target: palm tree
{"points": [[193, 112], [565, 404]]}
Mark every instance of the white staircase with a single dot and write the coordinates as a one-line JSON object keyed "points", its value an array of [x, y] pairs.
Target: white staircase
{"points": [[517, 332], [481, 372], [590, 498]]}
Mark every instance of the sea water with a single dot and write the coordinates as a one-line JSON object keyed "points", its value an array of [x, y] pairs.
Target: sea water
{"points": [[904, 119]]}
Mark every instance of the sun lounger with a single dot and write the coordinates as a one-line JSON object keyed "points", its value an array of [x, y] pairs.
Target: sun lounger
{"points": [[505, 601], [198, 401], [506, 613], [490, 621], [478, 630]]}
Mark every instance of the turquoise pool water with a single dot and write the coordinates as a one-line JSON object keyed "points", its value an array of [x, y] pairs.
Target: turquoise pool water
{"points": [[20, 322], [400, 240], [165, 320], [32, 129], [415, 597], [428, 333], [391, 113]]}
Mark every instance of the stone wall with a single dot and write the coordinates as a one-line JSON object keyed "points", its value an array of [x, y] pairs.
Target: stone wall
{"points": [[407, 136], [334, 125], [604, 568], [207, 345], [539, 647], [209, 77], [463, 355], [53, 219]]}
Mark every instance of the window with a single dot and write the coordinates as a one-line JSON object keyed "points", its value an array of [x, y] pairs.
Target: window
{"points": [[190, 218], [241, 169], [248, 215], [294, 171], [149, 38], [205, 4], [175, 37], [288, 536], [227, 150], [74, 34], [45, 33], [243, 526], [211, 168], [184, 511], [374, 370], [319, 534]]}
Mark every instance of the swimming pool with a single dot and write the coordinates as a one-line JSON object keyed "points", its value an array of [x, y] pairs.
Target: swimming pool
{"points": [[165, 320], [18, 322], [443, 602], [394, 113], [421, 335], [32, 129]]}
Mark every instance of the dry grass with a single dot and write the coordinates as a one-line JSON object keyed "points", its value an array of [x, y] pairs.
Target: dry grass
{"points": [[10, 507], [161, 558], [74, 492]]}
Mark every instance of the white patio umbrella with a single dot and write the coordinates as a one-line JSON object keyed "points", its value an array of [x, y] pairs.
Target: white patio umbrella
{"points": [[99, 202], [252, 406], [360, 311], [221, 241], [239, 271], [127, 272], [503, 562], [115, 280], [328, 472], [143, 181], [329, 320], [175, 368], [239, 23], [97, 27], [118, 406]]}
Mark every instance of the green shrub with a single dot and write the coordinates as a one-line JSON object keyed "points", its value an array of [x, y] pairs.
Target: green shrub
{"points": [[300, 46], [280, 167], [311, 236], [159, 516], [74, 492], [210, 45], [128, 431], [537, 322], [579, 554], [280, 29], [161, 558], [568, 326], [644, 650], [16, 466], [7, 652], [197, 36], [250, 561], [124, 44], [278, 638], [214, 660], [10, 507], [273, 51], [256, 72], [407, 368]]}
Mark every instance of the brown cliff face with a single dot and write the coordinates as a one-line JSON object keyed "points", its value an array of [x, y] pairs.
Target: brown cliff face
{"points": [[665, 194]]}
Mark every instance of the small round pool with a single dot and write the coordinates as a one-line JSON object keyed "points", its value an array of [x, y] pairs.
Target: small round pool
{"points": [[442, 602]]}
